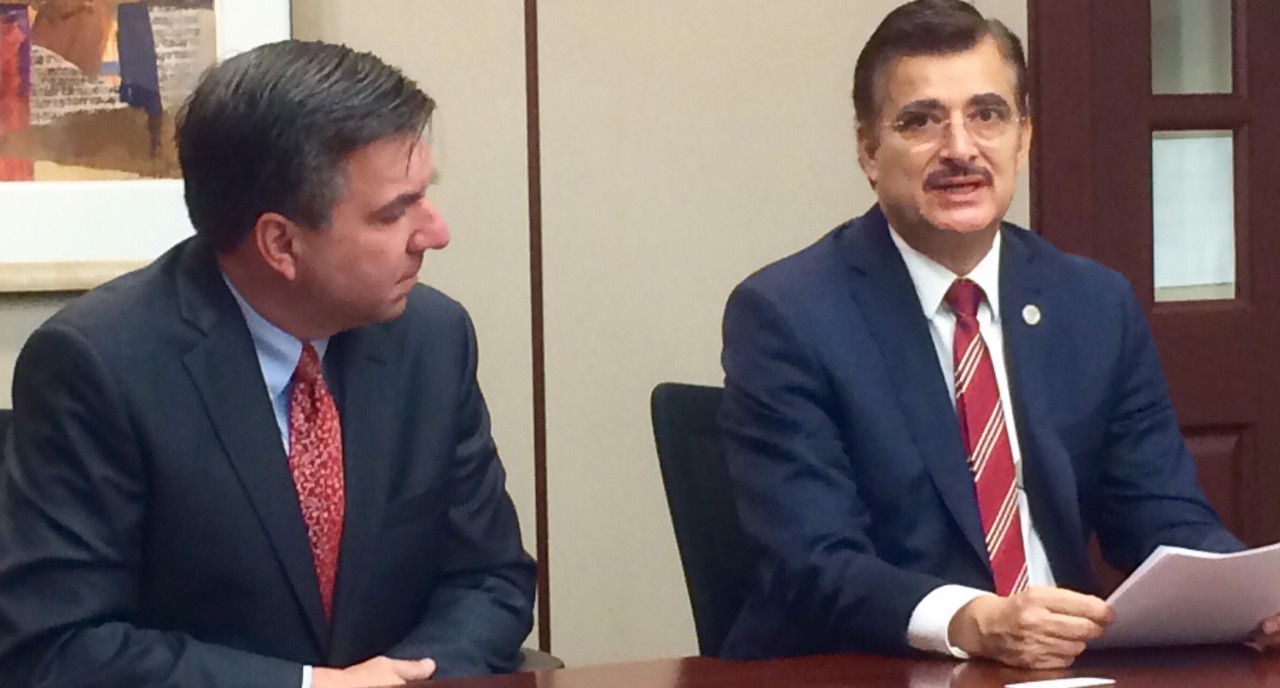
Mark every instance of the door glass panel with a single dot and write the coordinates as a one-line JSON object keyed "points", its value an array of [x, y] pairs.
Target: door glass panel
{"points": [[1191, 46], [1192, 182]]}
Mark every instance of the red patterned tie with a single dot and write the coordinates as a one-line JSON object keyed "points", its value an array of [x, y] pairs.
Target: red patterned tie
{"points": [[986, 439], [315, 460]]}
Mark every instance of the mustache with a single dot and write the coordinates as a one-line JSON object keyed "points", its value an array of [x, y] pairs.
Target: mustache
{"points": [[957, 170]]}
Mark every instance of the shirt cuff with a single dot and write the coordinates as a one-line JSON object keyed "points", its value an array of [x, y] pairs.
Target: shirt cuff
{"points": [[306, 676], [927, 629]]}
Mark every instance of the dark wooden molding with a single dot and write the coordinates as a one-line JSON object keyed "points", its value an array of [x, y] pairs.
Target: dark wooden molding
{"points": [[1059, 81], [1200, 111], [534, 133]]}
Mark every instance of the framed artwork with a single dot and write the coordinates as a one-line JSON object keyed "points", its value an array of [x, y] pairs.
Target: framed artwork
{"points": [[89, 179]]}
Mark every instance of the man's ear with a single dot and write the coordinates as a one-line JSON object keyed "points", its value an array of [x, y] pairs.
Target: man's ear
{"points": [[868, 146], [276, 239]]}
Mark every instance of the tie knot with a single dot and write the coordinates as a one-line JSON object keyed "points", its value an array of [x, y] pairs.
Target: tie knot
{"points": [[963, 297], [308, 369]]}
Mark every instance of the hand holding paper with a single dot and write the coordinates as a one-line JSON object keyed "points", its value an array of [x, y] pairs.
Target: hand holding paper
{"points": [[1267, 636], [1038, 628]]}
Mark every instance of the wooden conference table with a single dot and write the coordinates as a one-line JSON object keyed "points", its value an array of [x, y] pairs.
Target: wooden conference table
{"points": [[1209, 667]]}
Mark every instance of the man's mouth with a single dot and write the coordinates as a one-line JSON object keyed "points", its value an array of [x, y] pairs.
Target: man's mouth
{"points": [[959, 185]]}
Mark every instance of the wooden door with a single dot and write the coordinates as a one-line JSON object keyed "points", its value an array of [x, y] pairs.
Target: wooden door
{"points": [[1104, 139]]}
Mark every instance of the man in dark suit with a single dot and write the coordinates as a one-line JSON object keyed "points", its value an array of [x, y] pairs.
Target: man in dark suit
{"points": [[929, 405], [264, 460]]}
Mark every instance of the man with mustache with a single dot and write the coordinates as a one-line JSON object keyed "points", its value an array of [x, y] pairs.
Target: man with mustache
{"points": [[929, 411], [264, 461]]}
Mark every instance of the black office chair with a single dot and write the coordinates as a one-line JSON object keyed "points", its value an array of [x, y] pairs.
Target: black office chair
{"points": [[6, 416], [713, 549], [537, 660]]}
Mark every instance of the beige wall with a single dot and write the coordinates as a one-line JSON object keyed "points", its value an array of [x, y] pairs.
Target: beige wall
{"points": [[685, 144], [20, 314]]}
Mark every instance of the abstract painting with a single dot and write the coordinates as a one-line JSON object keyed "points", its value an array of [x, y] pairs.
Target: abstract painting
{"points": [[89, 177], [88, 88]]}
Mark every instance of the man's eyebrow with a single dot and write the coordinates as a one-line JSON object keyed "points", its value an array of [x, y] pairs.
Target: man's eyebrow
{"points": [[922, 105], [399, 203], [989, 100]]}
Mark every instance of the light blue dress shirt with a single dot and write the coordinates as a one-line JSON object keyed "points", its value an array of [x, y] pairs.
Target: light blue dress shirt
{"points": [[278, 354]]}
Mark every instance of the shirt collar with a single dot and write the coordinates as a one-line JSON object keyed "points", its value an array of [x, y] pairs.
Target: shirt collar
{"points": [[278, 351], [932, 280]]}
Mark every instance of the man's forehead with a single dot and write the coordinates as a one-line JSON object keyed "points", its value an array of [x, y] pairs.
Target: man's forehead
{"points": [[951, 79], [387, 168], [392, 157]]}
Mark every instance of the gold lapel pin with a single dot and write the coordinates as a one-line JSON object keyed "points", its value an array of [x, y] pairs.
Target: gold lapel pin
{"points": [[1031, 314]]}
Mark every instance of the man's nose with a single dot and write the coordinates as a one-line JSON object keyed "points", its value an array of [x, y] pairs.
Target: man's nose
{"points": [[957, 141], [432, 233]]}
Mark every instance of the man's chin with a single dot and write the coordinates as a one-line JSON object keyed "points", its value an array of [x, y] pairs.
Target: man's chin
{"points": [[963, 223], [396, 309], [388, 310]]}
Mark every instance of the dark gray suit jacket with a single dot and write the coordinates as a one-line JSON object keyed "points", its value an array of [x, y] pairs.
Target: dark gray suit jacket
{"points": [[150, 533]]}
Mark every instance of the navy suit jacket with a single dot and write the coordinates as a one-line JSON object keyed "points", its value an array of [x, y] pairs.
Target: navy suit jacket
{"points": [[845, 452], [150, 534]]}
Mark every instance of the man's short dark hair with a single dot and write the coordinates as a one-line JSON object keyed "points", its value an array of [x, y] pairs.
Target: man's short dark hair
{"points": [[930, 27], [270, 130]]}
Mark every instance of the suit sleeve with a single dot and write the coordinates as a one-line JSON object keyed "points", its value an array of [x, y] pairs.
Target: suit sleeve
{"points": [[1150, 496], [797, 497], [482, 607], [73, 501]]}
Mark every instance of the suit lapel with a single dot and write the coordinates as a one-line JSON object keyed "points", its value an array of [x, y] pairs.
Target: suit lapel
{"points": [[368, 428], [1047, 472], [891, 308], [224, 368]]}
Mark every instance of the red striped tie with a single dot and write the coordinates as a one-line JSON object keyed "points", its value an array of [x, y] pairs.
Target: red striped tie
{"points": [[315, 460], [986, 440]]}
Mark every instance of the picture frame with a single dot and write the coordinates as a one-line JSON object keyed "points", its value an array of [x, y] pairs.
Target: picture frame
{"points": [[58, 236]]}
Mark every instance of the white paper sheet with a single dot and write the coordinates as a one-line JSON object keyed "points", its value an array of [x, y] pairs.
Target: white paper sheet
{"points": [[1182, 597], [1077, 682]]}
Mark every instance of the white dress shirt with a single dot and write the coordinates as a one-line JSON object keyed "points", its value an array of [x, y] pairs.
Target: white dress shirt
{"points": [[927, 629], [278, 353]]}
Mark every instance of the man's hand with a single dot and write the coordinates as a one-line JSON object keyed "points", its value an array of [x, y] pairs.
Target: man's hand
{"points": [[1267, 635], [374, 673], [1038, 628]]}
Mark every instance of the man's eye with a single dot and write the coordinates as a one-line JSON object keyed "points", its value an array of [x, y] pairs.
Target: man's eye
{"points": [[912, 122], [990, 114], [390, 217]]}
